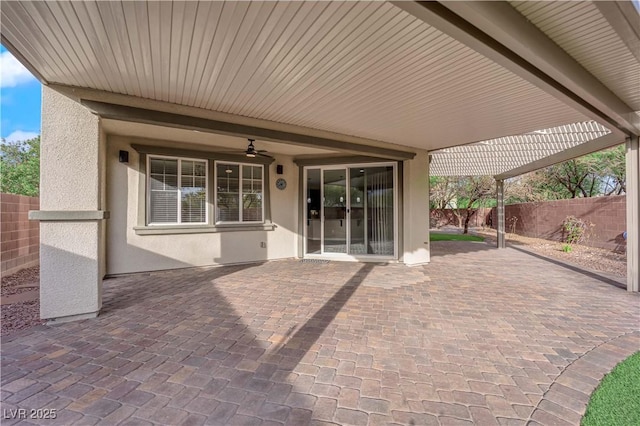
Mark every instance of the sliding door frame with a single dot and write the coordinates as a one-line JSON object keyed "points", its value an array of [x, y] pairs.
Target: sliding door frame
{"points": [[347, 256]]}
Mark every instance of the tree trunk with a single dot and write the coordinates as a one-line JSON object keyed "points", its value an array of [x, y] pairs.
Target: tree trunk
{"points": [[470, 213], [458, 215]]}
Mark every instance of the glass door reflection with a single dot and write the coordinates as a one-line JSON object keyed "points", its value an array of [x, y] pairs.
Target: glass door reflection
{"points": [[314, 211], [335, 211]]}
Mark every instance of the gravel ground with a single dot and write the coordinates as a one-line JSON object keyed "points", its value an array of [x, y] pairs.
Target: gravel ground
{"points": [[18, 316], [29, 277], [592, 258]]}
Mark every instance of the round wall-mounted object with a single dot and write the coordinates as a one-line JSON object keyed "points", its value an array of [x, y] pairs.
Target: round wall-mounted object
{"points": [[281, 183]]}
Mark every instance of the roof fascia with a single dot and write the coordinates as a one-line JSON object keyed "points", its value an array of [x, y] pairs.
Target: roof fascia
{"points": [[21, 58]]}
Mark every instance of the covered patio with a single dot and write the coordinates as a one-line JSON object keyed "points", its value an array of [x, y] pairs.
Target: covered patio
{"points": [[147, 107], [478, 335]]}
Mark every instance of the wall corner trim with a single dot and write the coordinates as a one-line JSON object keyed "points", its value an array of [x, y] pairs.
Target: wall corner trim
{"points": [[68, 215]]}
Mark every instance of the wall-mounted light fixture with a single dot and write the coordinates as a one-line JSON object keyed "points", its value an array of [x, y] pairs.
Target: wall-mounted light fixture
{"points": [[279, 169], [123, 156]]}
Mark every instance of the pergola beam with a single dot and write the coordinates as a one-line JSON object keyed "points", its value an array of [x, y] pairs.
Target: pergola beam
{"points": [[499, 32]]}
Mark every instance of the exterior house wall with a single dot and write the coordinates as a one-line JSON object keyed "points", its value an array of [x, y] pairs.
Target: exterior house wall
{"points": [[20, 242], [127, 251]]}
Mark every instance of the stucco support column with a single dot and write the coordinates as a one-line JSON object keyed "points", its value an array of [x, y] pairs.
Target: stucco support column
{"points": [[500, 212], [633, 213], [415, 210], [71, 210]]}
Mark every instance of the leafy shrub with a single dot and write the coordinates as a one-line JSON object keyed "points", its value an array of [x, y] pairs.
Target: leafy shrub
{"points": [[575, 229], [567, 248]]}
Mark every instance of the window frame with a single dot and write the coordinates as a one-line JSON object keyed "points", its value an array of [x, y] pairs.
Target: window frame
{"points": [[240, 193], [179, 186]]}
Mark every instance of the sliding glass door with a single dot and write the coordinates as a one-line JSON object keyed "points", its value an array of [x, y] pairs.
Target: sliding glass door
{"points": [[351, 210], [335, 211], [372, 211]]}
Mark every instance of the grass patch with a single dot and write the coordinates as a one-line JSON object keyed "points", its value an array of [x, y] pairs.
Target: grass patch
{"points": [[435, 236], [616, 401]]}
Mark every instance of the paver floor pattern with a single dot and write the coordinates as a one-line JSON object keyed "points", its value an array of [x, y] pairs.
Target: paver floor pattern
{"points": [[474, 337]]}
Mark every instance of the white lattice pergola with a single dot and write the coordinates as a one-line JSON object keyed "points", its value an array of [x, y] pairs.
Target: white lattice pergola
{"points": [[505, 156]]}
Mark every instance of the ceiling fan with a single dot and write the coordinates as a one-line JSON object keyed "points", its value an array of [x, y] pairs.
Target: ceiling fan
{"points": [[252, 152]]}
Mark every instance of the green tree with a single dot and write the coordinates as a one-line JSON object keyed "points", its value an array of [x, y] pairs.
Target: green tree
{"points": [[443, 191], [20, 167], [463, 194], [598, 173], [612, 168], [472, 191]]}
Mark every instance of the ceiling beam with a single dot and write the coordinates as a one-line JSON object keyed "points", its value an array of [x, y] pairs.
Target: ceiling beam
{"points": [[499, 32], [188, 122], [594, 145], [345, 143]]}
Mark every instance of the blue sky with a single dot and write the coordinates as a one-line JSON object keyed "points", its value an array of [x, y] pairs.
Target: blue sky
{"points": [[20, 99]]}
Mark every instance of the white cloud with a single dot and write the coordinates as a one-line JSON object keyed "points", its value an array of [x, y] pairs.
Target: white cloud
{"points": [[20, 135], [12, 72]]}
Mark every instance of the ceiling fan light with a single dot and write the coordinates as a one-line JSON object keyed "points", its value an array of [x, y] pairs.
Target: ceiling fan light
{"points": [[251, 150]]}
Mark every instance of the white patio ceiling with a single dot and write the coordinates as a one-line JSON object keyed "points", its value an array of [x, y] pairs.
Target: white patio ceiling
{"points": [[582, 30], [366, 69]]}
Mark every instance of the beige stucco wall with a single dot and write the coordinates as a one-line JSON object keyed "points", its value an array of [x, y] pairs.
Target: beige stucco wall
{"points": [[129, 252], [415, 208], [70, 272], [70, 282], [69, 155]]}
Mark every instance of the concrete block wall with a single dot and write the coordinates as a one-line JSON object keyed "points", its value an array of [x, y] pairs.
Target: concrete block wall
{"points": [[19, 237], [544, 219], [444, 217]]}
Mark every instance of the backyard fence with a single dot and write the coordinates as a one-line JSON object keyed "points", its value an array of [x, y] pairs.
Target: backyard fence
{"points": [[19, 237], [606, 216], [444, 217]]}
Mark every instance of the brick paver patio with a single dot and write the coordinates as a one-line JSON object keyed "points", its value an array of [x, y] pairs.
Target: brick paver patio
{"points": [[481, 336]]}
